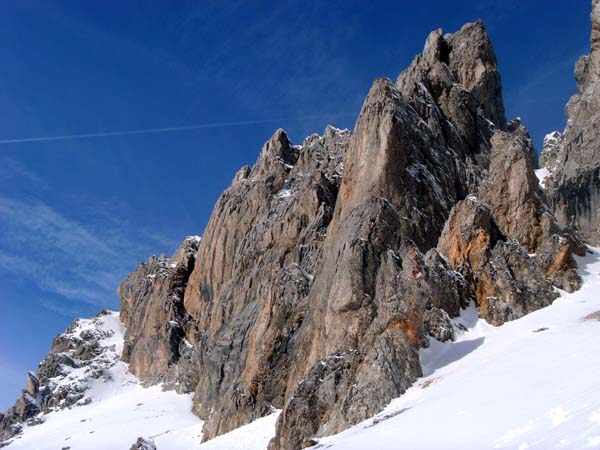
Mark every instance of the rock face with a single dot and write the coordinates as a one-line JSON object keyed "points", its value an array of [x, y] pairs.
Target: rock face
{"points": [[154, 318], [255, 265], [511, 189], [573, 186], [81, 354]]}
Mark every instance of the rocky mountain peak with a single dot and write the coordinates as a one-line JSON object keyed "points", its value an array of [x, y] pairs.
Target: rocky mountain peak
{"points": [[466, 58], [276, 156], [80, 358]]}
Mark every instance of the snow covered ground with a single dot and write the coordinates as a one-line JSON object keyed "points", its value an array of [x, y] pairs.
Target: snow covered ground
{"points": [[531, 384]]}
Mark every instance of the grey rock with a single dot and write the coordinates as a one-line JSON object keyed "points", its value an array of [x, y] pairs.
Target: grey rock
{"points": [[518, 285], [438, 325], [555, 256], [506, 281], [255, 265], [143, 444], [511, 189], [549, 157], [573, 187]]}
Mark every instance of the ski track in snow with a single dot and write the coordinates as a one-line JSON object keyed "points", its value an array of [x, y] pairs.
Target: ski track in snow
{"points": [[529, 384]]}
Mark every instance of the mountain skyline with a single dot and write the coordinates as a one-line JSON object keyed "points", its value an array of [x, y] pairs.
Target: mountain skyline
{"points": [[76, 216]]}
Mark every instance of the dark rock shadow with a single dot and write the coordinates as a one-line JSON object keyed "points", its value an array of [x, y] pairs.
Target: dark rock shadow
{"points": [[446, 354]]}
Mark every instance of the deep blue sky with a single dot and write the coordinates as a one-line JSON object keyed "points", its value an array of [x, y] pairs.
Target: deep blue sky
{"points": [[76, 216]]}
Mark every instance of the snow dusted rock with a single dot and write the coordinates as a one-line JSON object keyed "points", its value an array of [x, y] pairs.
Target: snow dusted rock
{"points": [[514, 285], [143, 444], [327, 248], [549, 156], [438, 325], [78, 356], [520, 210], [573, 187], [419, 146], [511, 189], [555, 256], [505, 241], [506, 282], [454, 407]]}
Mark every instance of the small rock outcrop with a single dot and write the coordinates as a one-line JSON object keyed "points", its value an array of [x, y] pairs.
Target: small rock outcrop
{"points": [[573, 158], [143, 444]]}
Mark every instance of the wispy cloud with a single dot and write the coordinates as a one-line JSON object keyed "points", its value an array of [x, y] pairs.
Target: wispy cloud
{"points": [[63, 256], [61, 308], [12, 169], [69, 137]]}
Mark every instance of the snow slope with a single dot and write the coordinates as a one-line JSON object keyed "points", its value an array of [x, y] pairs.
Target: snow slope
{"points": [[533, 383]]}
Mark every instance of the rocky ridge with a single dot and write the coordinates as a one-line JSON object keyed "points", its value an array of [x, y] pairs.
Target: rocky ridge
{"points": [[326, 266], [80, 355], [572, 158]]}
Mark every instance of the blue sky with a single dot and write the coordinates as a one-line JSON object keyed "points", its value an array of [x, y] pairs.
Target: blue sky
{"points": [[77, 215]]}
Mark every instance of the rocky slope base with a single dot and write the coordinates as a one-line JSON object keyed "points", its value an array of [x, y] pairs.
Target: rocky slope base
{"points": [[328, 266], [470, 390]]}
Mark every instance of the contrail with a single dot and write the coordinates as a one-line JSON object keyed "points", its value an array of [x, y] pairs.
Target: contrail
{"points": [[201, 126]]}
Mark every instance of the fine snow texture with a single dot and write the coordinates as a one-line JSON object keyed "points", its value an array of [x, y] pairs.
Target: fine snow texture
{"points": [[529, 384]]}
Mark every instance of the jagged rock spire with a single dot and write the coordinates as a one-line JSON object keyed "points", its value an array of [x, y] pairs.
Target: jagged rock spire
{"points": [[465, 58]]}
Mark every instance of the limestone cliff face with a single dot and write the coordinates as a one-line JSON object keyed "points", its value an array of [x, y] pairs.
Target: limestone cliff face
{"points": [[256, 263], [573, 187], [419, 146], [152, 310]]}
